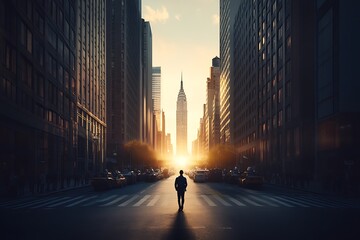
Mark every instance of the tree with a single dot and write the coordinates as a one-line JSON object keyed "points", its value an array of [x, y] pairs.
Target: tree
{"points": [[221, 156], [139, 154]]}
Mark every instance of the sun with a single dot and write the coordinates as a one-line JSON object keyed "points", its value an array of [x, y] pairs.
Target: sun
{"points": [[180, 161]]}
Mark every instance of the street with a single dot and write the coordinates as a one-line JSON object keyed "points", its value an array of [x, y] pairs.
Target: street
{"points": [[211, 211]]}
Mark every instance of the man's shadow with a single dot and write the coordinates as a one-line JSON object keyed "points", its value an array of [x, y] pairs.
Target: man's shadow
{"points": [[180, 229]]}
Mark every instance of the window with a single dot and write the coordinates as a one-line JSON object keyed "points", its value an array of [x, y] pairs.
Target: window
{"points": [[25, 37], [10, 58], [51, 36], [40, 85]]}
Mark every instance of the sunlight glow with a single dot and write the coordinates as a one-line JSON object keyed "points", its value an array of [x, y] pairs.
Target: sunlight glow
{"points": [[180, 161]]}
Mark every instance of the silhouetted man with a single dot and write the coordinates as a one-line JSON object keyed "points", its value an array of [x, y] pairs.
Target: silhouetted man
{"points": [[180, 186]]}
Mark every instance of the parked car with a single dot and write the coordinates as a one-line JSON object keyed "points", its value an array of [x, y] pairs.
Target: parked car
{"points": [[120, 180], [232, 176], [250, 178], [131, 177], [200, 176], [215, 175], [104, 182]]}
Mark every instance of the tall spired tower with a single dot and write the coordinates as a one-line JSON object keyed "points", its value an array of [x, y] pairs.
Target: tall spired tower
{"points": [[181, 122]]}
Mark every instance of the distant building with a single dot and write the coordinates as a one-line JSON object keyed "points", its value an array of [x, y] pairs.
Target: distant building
{"points": [[156, 93], [146, 118], [212, 109], [181, 122]]}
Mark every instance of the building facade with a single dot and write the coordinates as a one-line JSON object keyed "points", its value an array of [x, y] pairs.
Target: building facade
{"points": [[295, 100], [90, 86], [146, 126], [228, 10], [52, 97], [124, 66], [181, 122], [212, 109]]}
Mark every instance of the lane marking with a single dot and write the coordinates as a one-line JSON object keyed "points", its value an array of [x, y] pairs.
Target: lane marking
{"points": [[100, 200], [278, 201], [63, 202], [237, 202], [80, 201], [141, 201], [47, 203], [264, 201], [250, 201], [114, 201], [128, 201], [208, 201], [153, 201], [291, 201], [222, 201]]}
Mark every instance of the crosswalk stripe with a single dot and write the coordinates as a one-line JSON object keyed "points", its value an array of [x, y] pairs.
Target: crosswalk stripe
{"points": [[50, 202], [208, 201], [100, 200], [114, 201], [237, 202], [128, 201], [222, 201], [278, 201], [309, 202], [27, 204], [63, 202], [80, 201], [250, 201], [264, 201], [153, 201], [291, 201], [315, 203], [141, 201]]}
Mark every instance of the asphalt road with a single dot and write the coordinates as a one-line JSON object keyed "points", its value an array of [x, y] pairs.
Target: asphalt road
{"points": [[211, 211]]}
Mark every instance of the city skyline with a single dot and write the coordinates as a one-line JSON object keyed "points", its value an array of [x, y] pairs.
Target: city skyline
{"points": [[185, 39]]}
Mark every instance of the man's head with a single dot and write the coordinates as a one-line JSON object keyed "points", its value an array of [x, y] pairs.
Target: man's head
{"points": [[181, 172]]}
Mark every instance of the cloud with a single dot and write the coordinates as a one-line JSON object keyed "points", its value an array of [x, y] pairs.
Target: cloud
{"points": [[215, 19], [156, 15]]}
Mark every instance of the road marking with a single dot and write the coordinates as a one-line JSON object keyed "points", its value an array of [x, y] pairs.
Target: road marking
{"points": [[314, 202], [47, 203], [250, 201], [237, 202], [141, 201], [278, 201], [63, 202], [80, 201], [100, 200], [153, 201], [27, 204], [222, 201], [291, 201], [264, 201], [114, 201], [208, 201], [128, 201]]}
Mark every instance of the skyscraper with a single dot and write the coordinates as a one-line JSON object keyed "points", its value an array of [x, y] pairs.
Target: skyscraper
{"points": [[156, 94], [212, 109], [123, 79], [181, 122], [146, 125], [228, 10]]}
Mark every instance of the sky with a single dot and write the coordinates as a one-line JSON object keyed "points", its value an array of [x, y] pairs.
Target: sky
{"points": [[185, 38]]}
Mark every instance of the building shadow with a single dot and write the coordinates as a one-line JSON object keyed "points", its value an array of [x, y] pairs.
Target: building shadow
{"points": [[179, 229]]}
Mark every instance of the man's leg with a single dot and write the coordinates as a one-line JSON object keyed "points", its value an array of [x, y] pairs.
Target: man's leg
{"points": [[182, 200], [178, 197]]}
